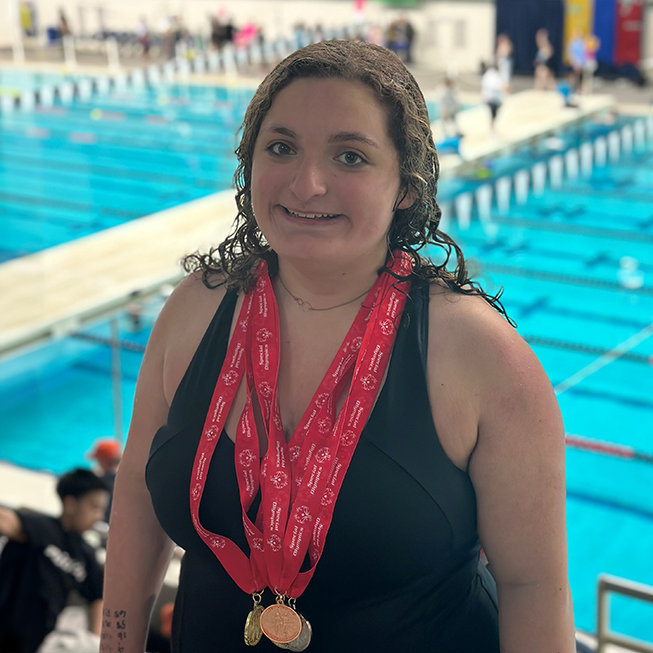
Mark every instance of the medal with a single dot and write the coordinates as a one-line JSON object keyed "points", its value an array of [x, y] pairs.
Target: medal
{"points": [[280, 623], [253, 632], [303, 639]]}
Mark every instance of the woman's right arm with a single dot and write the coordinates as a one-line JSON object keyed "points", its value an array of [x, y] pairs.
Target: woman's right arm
{"points": [[138, 550]]}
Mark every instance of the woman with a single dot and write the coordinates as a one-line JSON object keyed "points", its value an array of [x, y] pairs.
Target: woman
{"points": [[371, 534], [544, 61]]}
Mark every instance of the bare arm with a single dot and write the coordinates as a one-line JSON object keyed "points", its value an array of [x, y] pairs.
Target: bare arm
{"points": [[497, 416], [138, 550], [518, 472], [10, 525]]}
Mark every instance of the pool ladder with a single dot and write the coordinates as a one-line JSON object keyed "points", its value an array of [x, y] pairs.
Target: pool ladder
{"points": [[612, 584]]}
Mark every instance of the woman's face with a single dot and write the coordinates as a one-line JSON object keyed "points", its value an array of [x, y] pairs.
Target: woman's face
{"points": [[325, 173]]}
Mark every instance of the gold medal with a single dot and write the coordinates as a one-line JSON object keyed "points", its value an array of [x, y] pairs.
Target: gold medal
{"points": [[301, 642], [253, 632], [280, 623]]}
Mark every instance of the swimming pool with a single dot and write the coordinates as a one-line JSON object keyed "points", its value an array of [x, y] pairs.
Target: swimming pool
{"points": [[75, 168], [559, 257], [69, 170], [577, 267]]}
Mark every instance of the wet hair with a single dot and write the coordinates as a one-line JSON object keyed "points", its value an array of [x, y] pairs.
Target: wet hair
{"points": [[78, 483], [233, 262]]}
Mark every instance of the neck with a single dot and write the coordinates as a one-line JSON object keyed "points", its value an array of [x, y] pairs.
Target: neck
{"points": [[326, 289], [65, 522]]}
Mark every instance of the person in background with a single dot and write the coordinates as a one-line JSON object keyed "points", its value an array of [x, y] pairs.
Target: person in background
{"points": [[577, 56], [449, 107], [64, 25], [567, 88], [592, 45], [134, 311], [26, 14], [143, 35], [544, 61], [503, 57], [43, 559], [493, 89], [107, 453], [331, 417]]}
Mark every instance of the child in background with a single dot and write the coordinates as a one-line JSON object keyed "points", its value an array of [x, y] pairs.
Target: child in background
{"points": [[43, 559]]}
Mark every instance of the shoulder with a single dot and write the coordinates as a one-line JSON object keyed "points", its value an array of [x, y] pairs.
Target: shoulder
{"points": [[475, 345], [180, 327], [189, 297], [37, 528], [190, 306]]}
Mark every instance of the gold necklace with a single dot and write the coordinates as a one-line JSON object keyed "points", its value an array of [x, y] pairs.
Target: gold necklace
{"points": [[305, 305]]}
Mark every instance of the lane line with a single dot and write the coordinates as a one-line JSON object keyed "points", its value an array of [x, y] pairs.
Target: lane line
{"points": [[604, 360]]}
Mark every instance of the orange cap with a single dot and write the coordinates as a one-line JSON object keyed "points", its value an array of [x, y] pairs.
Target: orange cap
{"points": [[106, 450]]}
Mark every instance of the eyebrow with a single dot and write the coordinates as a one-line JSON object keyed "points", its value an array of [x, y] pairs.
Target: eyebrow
{"points": [[340, 137], [352, 136]]}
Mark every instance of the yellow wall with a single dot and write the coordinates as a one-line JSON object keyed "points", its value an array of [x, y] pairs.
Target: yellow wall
{"points": [[579, 17]]}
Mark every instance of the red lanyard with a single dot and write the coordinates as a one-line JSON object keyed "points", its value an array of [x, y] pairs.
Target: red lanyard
{"points": [[300, 479]]}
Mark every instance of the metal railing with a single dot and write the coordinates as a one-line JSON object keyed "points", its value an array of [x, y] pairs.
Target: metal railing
{"points": [[612, 584]]}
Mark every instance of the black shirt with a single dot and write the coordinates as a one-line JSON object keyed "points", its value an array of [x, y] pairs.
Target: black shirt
{"points": [[36, 578]]}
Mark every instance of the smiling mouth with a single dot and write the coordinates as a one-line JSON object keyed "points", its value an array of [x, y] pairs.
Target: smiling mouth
{"points": [[311, 216]]}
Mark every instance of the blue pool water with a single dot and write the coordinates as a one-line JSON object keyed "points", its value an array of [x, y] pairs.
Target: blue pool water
{"points": [[559, 258], [69, 170]]}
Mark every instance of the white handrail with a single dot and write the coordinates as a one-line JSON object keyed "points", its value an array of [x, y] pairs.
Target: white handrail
{"points": [[612, 584]]}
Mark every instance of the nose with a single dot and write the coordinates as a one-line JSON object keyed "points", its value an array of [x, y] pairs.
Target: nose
{"points": [[309, 179]]}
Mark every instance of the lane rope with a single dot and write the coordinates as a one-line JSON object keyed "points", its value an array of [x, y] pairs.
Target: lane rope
{"points": [[607, 448], [607, 358]]}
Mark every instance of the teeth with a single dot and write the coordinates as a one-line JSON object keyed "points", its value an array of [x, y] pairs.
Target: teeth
{"points": [[312, 216]]}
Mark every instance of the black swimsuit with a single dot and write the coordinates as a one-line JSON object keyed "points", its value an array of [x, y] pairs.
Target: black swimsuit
{"points": [[400, 569]]}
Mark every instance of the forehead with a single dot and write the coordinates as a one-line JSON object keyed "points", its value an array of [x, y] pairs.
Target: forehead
{"points": [[333, 102], [94, 498]]}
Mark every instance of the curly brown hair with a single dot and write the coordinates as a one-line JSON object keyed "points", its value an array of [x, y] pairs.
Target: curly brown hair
{"points": [[233, 262]]}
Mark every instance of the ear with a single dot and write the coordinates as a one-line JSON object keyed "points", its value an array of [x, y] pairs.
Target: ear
{"points": [[405, 198]]}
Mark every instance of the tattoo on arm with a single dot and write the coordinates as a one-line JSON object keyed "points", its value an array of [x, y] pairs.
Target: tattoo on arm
{"points": [[114, 631]]}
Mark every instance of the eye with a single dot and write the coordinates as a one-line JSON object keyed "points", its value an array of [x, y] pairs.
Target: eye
{"points": [[350, 158], [279, 148]]}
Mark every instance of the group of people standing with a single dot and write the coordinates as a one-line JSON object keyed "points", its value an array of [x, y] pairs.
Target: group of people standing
{"points": [[581, 53]]}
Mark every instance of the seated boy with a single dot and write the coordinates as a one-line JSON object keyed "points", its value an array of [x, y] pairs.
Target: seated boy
{"points": [[43, 558]]}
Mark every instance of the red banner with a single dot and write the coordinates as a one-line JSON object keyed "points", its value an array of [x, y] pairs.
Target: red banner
{"points": [[628, 32]]}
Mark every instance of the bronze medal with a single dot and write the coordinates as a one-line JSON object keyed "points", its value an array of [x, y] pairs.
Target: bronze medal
{"points": [[301, 642], [280, 623], [253, 632]]}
